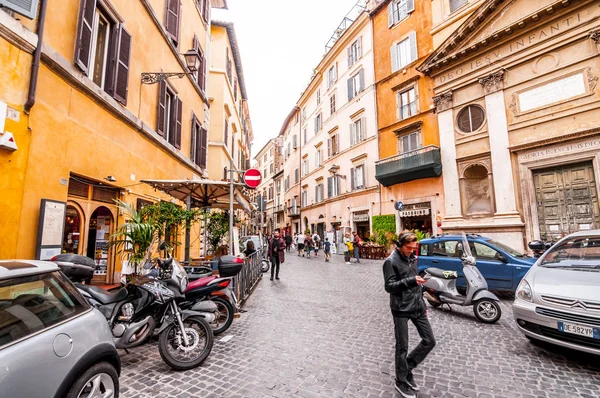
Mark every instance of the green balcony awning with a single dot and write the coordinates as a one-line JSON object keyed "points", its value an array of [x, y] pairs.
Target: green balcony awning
{"points": [[423, 163]]}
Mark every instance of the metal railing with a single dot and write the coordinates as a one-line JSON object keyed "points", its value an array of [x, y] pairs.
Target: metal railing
{"points": [[247, 279]]}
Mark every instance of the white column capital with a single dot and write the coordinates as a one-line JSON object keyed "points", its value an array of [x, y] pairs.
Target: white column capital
{"points": [[493, 82]]}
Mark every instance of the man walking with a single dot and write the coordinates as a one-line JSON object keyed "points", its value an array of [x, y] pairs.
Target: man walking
{"points": [[276, 253], [402, 282], [288, 241], [356, 241], [327, 249], [300, 244]]}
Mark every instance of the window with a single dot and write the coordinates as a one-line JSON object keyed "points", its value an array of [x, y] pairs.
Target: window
{"points": [[303, 114], [470, 118], [200, 74], [289, 148], [356, 84], [354, 52], [199, 146], [357, 177], [265, 173], [304, 198], [33, 303], [204, 8], [271, 192], [485, 252], [333, 186], [295, 205], [318, 123], [357, 131], [228, 65], [305, 134], [286, 183], [404, 52], [172, 20], [271, 168], [331, 76], [448, 248], [296, 176], [398, 10], [295, 141], [410, 142], [226, 132], [319, 193], [406, 102], [332, 104], [296, 119], [333, 145], [265, 159], [305, 166], [103, 50], [235, 88], [318, 96], [318, 158], [169, 115], [456, 4]]}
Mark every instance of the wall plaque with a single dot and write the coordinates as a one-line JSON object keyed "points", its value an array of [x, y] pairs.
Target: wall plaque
{"points": [[553, 92]]}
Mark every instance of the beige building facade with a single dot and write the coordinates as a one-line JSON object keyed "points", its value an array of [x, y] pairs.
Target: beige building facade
{"points": [[517, 103]]}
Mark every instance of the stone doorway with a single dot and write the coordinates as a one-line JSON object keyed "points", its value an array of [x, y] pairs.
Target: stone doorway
{"points": [[566, 200]]}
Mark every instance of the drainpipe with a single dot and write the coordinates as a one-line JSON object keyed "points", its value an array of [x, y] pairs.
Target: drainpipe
{"points": [[37, 55]]}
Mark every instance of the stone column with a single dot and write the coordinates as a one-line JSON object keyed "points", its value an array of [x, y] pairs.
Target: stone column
{"points": [[443, 108], [504, 188]]}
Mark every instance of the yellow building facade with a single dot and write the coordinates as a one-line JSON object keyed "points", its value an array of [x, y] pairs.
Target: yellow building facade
{"points": [[95, 129]]}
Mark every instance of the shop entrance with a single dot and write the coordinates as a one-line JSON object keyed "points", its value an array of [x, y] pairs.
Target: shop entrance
{"points": [[417, 217], [361, 224], [72, 231], [567, 200], [98, 237]]}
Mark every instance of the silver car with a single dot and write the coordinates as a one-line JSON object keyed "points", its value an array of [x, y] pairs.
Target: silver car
{"points": [[52, 343], [558, 301]]}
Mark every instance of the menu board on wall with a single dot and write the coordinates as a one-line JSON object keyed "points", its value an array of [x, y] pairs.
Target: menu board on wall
{"points": [[51, 224]]}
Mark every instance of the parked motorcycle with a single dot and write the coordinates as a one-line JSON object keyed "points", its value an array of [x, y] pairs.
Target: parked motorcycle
{"points": [[440, 288], [539, 247], [148, 304]]}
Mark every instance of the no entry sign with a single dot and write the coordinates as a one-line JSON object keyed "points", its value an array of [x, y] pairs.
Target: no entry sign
{"points": [[252, 178]]}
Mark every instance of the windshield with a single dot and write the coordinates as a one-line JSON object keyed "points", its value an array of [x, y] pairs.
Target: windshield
{"points": [[577, 252], [506, 249]]}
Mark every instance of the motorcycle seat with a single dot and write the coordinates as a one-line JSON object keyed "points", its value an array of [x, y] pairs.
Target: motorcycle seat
{"points": [[200, 282], [440, 273], [104, 296]]}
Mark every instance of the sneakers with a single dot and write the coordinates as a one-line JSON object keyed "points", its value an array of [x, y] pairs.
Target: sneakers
{"points": [[277, 277], [348, 262], [410, 380], [405, 390], [271, 278]]}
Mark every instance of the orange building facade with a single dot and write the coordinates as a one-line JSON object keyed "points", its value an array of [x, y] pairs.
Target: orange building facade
{"points": [[409, 168]]}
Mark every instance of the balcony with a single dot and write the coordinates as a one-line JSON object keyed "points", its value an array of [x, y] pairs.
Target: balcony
{"points": [[414, 165], [279, 209], [294, 211]]}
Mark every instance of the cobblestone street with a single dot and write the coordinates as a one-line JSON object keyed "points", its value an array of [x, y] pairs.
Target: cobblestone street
{"points": [[325, 330]]}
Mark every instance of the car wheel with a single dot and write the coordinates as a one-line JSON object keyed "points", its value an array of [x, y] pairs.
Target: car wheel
{"points": [[101, 380]]}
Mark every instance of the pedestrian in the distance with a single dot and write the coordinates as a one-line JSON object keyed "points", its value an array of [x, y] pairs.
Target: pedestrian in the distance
{"points": [[403, 283], [316, 243], [347, 248], [276, 253], [356, 242], [308, 244], [300, 239], [288, 241], [327, 249]]}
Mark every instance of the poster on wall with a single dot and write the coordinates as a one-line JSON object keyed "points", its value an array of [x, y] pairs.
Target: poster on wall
{"points": [[101, 257], [51, 224]]}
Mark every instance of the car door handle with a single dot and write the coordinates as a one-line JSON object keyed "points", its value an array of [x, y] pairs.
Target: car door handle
{"points": [[518, 267], [435, 261]]}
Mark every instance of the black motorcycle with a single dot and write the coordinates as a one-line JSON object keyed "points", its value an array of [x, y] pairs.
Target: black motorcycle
{"points": [[539, 247], [148, 304]]}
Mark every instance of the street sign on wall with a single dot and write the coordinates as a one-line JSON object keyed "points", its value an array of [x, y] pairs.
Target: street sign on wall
{"points": [[252, 178]]}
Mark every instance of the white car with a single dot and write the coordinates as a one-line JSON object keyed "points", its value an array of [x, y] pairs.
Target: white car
{"points": [[558, 301]]}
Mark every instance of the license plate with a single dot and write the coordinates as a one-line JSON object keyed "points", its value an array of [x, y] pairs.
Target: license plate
{"points": [[573, 328]]}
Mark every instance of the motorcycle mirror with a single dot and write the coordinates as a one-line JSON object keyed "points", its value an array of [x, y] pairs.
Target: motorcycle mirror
{"points": [[147, 265], [162, 246]]}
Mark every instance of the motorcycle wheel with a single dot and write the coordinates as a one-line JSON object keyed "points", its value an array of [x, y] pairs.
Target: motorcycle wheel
{"points": [[226, 313], [487, 311], [265, 265], [432, 303], [180, 357]]}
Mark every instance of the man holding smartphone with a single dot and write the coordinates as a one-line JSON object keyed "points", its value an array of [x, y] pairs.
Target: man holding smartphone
{"points": [[403, 283]]}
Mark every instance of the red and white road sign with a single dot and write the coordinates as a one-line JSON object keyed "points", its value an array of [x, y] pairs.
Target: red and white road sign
{"points": [[252, 178]]}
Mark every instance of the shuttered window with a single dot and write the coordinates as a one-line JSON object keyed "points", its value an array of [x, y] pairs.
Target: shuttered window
{"points": [[198, 150], [169, 115], [228, 66], [78, 188], [107, 195], [398, 10], [404, 52], [226, 132], [103, 49], [456, 4], [201, 73], [357, 177], [354, 51], [356, 84], [172, 20], [357, 131]]}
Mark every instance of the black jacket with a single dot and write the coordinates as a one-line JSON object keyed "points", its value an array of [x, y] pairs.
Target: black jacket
{"points": [[406, 296]]}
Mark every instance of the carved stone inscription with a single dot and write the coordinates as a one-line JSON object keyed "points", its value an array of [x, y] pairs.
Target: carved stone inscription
{"points": [[552, 92]]}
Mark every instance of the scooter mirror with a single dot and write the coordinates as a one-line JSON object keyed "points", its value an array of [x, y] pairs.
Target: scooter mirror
{"points": [[162, 246]]}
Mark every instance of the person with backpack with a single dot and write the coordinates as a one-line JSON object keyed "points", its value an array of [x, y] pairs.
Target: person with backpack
{"points": [[316, 243], [356, 242], [308, 244], [327, 249], [348, 248]]}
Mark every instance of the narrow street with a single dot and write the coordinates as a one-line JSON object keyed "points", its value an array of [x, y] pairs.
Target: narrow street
{"points": [[325, 330]]}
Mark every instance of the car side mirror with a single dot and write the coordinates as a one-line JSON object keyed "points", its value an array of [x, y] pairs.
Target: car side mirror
{"points": [[503, 258]]}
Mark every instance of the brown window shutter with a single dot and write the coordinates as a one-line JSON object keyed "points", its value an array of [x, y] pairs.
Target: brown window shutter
{"points": [[203, 147], [107, 195], [78, 188], [122, 76], [172, 22], [206, 10], [87, 9], [194, 140], [178, 115], [202, 74], [162, 104]]}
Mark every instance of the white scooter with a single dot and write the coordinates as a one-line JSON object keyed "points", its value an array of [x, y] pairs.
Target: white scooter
{"points": [[440, 288]]}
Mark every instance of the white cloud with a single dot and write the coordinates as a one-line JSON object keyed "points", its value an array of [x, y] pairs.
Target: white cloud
{"points": [[281, 42]]}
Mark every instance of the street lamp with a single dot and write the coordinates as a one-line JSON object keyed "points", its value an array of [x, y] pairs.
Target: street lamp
{"points": [[192, 61]]}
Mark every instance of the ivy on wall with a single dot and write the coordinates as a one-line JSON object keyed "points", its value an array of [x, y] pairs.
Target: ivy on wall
{"points": [[385, 223]]}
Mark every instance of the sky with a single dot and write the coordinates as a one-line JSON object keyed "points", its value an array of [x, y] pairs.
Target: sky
{"points": [[281, 42]]}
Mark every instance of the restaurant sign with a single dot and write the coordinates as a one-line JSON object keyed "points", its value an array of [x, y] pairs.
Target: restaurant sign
{"points": [[416, 210]]}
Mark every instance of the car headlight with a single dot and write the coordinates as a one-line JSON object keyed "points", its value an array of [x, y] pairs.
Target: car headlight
{"points": [[524, 291]]}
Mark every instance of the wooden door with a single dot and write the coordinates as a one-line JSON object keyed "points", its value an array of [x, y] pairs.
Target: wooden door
{"points": [[567, 200]]}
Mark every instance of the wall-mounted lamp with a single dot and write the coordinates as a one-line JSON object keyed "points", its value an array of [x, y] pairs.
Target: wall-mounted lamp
{"points": [[110, 179], [334, 171], [192, 61]]}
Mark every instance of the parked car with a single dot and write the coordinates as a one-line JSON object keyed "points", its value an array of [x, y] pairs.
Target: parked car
{"points": [[558, 301], [52, 343], [502, 267], [256, 239]]}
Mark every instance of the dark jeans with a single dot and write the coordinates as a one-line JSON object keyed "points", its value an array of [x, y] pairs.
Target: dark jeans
{"points": [[356, 254], [275, 262], [406, 363]]}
